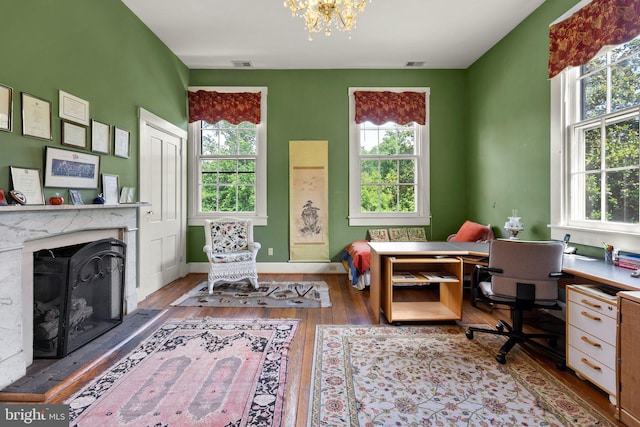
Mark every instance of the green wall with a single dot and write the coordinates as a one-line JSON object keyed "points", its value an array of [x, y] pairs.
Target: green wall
{"points": [[96, 50], [509, 127], [313, 105]]}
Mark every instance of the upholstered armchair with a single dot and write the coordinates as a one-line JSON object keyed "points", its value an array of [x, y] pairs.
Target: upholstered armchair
{"points": [[231, 251]]}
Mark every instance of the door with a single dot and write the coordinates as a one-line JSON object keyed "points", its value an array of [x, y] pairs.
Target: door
{"points": [[162, 224]]}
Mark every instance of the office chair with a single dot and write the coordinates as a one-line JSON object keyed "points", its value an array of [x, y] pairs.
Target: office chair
{"points": [[522, 275]]}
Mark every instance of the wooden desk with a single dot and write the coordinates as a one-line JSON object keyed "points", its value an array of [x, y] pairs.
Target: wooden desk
{"points": [[595, 270], [380, 251]]}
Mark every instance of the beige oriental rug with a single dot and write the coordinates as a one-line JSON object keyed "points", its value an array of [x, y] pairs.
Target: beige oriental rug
{"points": [[268, 294], [433, 376], [194, 372]]}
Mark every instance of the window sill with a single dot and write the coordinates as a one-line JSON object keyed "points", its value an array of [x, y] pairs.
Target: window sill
{"points": [[591, 237]]}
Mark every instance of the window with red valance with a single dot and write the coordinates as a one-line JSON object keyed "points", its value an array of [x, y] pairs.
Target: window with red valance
{"points": [[233, 107], [380, 107], [577, 39]]}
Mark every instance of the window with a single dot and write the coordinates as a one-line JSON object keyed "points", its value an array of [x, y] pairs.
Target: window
{"points": [[388, 167], [599, 155], [228, 166]]}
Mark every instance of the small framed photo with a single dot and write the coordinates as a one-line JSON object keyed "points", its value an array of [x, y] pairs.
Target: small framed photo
{"points": [[6, 108], [121, 143], [70, 169], [100, 137], [74, 109], [36, 117], [73, 134], [127, 195], [110, 189], [27, 181], [76, 197]]}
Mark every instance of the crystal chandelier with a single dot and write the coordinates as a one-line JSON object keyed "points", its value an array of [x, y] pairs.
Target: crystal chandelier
{"points": [[322, 15]]}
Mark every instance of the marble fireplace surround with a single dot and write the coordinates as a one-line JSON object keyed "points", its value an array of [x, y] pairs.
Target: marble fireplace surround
{"points": [[27, 229]]}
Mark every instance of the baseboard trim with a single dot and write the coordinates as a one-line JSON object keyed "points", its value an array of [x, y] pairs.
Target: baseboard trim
{"points": [[283, 267]]}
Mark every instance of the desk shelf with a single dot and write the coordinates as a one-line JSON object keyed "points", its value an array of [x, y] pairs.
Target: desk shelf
{"points": [[446, 272]]}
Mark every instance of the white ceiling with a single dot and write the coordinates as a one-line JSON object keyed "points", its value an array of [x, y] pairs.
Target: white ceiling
{"points": [[389, 33]]}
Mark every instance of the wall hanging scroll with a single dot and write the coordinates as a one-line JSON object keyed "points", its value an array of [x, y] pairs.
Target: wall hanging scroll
{"points": [[308, 201]]}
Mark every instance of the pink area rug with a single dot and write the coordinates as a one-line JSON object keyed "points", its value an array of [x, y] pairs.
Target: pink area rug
{"points": [[194, 372], [433, 376]]}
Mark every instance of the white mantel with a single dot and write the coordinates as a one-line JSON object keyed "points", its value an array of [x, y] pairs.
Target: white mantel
{"points": [[26, 229]]}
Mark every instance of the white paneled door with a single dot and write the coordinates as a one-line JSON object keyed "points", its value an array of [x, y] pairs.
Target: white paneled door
{"points": [[162, 224]]}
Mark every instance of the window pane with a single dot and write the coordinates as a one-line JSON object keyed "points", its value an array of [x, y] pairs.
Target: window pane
{"points": [[407, 198], [209, 198], [227, 202], [369, 198], [389, 171], [592, 199], [389, 143], [597, 62], [246, 198], [622, 144], [369, 141], [407, 172], [407, 140], [246, 171], [369, 172], [622, 196], [625, 84], [594, 95], [592, 143], [389, 198], [227, 174], [209, 142], [625, 50]]}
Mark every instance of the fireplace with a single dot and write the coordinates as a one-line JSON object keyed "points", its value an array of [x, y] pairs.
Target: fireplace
{"points": [[77, 294]]}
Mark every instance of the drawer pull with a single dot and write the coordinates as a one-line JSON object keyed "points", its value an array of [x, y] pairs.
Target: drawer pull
{"points": [[590, 304], [588, 341], [591, 365], [590, 316]]}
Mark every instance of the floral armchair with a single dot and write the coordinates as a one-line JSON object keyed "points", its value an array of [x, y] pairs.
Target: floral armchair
{"points": [[231, 251]]}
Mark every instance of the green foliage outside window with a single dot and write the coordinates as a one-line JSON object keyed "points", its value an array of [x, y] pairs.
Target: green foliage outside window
{"points": [[228, 167], [388, 168], [610, 91]]}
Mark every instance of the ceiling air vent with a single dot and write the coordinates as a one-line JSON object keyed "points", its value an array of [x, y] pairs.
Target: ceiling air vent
{"points": [[242, 64], [414, 64]]}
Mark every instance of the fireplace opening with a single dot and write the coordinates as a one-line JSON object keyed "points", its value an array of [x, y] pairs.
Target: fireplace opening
{"points": [[78, 295]]}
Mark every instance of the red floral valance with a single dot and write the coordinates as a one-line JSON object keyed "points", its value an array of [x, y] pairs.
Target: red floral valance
{"points": [[576, 40], [384, 106], [236, 107]]}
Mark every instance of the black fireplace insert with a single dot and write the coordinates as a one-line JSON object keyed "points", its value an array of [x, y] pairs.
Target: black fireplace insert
{"points": [[78, 294]]}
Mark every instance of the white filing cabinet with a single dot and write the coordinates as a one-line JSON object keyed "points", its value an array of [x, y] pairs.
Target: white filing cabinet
{"points": [[591, 336]]}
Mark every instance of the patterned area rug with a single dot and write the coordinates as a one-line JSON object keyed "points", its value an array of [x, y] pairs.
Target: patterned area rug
{"points": [[269, 294], [430, 375], [194, 372]]}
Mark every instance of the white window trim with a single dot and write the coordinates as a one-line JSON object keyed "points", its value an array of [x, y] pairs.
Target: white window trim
{"points": [[621, 236], [259, 218], [422, 214]]}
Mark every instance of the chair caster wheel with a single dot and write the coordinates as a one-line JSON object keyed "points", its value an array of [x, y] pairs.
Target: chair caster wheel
{"points": [[500, 327], [561, 365], [469, 334], [501, 358]]}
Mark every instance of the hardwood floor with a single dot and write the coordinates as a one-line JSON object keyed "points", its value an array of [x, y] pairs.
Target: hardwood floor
{"points": [[349, 306]]}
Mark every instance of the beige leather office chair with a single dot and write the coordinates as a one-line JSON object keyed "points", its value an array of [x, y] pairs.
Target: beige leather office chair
{"points": [[521, 275], [231, 251]]}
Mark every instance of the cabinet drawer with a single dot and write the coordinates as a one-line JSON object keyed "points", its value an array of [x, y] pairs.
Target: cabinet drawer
{"points": [[598, 305], [593, 347], [595, 322], [594, 371]]}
